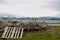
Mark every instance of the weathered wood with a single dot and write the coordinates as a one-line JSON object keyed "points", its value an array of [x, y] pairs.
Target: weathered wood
{"points": [[18, 32], [21, 33], [11, 32], [4, 32], [7, 32]]}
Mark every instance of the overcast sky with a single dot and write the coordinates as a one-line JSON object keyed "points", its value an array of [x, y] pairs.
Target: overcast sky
{"points": [[30, 8]]}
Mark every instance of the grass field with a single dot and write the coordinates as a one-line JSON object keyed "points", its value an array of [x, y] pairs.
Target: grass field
{"points": [[40, 35]]}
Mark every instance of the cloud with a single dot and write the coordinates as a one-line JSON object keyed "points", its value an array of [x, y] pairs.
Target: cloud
{"points": [[31, 8], [51, 4], [12, 2]]}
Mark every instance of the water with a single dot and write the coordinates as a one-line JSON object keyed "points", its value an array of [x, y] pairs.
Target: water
{"points": [[52, 21]]}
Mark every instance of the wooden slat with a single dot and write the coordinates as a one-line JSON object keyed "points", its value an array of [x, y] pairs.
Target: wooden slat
{"points": [[21, 33], [13, 33], [7, 33], [18, 32], [10, 32], [4, 32]]}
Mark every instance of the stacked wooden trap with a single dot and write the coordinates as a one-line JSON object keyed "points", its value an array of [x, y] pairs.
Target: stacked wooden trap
{"points": [[12, 32]]}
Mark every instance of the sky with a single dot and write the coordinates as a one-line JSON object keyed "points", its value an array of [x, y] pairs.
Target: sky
{"points": [[30, 8]]}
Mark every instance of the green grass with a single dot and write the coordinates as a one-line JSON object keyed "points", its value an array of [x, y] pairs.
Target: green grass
{"points": [[0, 36], [40, 35], [53, 23]]}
